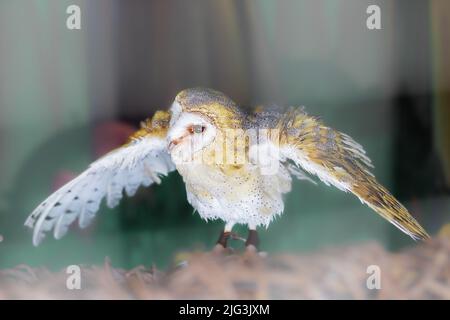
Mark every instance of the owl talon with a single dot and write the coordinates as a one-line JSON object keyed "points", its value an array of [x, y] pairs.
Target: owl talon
{"points": [[251, 249], [218, 249], [221, 250]]}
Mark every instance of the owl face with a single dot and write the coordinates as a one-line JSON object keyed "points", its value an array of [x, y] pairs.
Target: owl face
{"points": [[189, 132]]}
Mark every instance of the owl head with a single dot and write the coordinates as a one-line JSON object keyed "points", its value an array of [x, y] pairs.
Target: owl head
{"points": [[197, 116]]}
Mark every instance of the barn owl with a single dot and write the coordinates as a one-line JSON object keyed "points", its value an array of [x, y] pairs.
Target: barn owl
{"points": [[200, 137]]}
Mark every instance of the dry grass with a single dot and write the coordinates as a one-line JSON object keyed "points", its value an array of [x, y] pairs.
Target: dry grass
{"points": [[422, 272]]}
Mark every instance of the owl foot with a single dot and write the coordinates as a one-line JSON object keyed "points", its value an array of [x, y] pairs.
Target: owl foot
{"points": [[223, 239], [221, 246]]}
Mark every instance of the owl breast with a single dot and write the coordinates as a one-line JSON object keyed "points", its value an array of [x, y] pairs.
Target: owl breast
{"points": [[239, 194]]}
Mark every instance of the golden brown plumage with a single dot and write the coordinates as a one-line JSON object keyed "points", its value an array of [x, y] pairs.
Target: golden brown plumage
{"points": [[213, 104], [156, 126], [331, 155], [343, 162], [236, 189]]}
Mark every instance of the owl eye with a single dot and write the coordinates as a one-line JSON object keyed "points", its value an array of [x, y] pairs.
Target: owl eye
{"points": [[197, 128]]}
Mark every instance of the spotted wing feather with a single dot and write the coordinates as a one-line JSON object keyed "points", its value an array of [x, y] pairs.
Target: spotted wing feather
{"points": [[141, 161]]}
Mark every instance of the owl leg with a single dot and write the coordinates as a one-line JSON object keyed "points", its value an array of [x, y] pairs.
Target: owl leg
{"points": [[222, 242], [252, 243]]}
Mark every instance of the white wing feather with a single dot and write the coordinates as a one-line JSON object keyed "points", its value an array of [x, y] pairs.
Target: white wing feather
{"points": [[140, 163]]}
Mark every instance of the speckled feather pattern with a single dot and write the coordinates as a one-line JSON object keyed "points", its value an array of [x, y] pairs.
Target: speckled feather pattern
{"points": [[334, 157], [236, 193], [143, 160]]}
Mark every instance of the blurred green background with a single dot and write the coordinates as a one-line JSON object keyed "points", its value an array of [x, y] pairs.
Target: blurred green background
{"points": [[68, 96]]}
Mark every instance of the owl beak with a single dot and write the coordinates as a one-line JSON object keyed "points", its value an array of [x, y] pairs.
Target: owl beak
{"points": [[172, 144], [176, 141]]}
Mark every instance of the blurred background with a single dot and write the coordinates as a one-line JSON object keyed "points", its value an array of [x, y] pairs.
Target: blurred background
{"points": [[69, 96]]}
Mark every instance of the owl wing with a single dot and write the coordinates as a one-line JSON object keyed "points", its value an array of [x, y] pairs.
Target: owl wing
{"points": [[141, 161], [336, 159]]}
